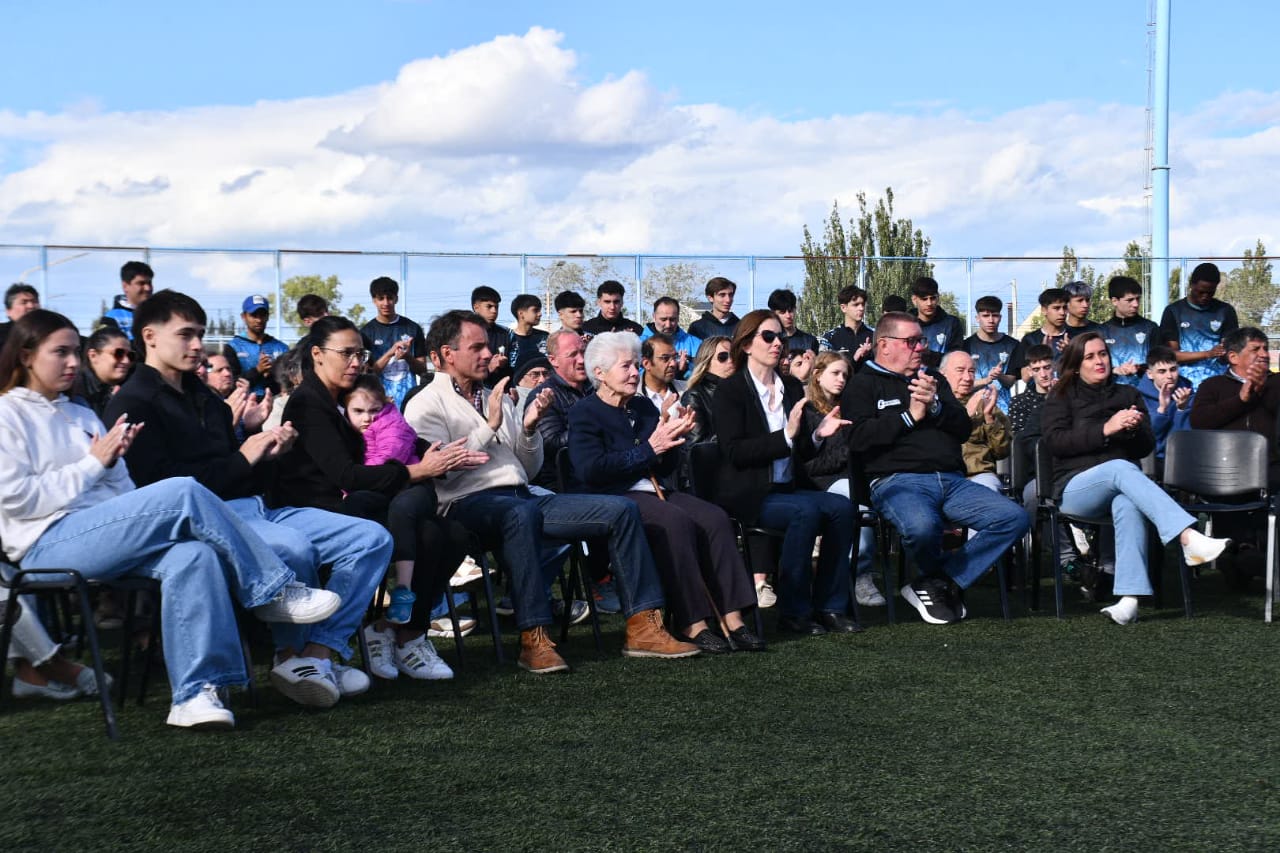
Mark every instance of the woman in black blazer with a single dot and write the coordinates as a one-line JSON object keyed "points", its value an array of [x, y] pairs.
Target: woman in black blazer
{"points": [[325, 468], [758, 416]]}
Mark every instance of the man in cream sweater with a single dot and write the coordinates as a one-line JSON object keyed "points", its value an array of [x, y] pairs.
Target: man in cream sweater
{"points": [[495, 497]]}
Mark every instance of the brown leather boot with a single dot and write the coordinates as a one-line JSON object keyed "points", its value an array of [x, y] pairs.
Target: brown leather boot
{"points": [[648, 638], [538, 654]]}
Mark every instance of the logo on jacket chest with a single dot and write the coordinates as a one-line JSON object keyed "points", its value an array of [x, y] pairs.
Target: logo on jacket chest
{"points": [[884, 404]]}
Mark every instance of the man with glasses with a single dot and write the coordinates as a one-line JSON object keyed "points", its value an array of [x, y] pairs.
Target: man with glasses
{"points": [[658, 359], [666, 321], [218, 375], [909, 430], [189, 433]]}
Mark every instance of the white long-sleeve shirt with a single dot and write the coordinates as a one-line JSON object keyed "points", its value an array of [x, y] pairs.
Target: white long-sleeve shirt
{"points": [[46, 470]]}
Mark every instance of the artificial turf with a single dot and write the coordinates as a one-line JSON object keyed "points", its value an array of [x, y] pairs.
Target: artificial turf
{"points": [[1033, 734]]}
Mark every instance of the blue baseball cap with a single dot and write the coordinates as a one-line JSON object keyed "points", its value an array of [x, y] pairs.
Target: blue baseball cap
{"points": [[255, 303]]}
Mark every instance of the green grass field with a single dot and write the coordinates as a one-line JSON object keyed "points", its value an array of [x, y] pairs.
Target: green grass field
{"points": [[1034, 734]]}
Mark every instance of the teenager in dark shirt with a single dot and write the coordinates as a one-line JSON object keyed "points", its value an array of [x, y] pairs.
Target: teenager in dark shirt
{"points": [[611, 299], [720, 320], [943, 331], [992, 350], [527, 341], [853, 337], [397, 347], [1079, 301], [1195, 326], [1128, 334], [783, 303], [1052, 332]]}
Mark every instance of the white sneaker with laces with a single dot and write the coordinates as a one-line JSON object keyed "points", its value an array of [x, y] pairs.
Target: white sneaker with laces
{"points": [[865, 591], [350, 681], [444, 627], [204, 710], [307, 681], [298, 604], [418, 659], [765, 596], [380, 645]]}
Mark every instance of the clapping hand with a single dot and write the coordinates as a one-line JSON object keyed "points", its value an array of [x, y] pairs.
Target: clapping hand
{"points": [[495, 403], [537, 407], [1125, 419], [831, 424], [670, 432], [256, 412], [108, 448]]}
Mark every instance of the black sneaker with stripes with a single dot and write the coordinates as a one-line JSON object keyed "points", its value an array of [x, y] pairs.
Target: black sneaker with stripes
{"points": [[931, 598]]}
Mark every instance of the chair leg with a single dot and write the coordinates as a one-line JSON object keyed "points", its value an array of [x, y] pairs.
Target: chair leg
{"points": [[1054, 550], [153, 643], [126, 659], [890, 579], [1002, 578], [578, 581], [250, 688], [6, 635], [457, 625], [492, 606], [1271, 566], [90, 631]]}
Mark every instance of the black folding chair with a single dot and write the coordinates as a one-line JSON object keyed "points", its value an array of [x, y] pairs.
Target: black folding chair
{"points": [[1204, 467], [577, 577]]}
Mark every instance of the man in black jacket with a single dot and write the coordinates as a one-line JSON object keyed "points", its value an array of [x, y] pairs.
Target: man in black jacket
{"points": [[610, 299], [568, 384], [909, 430], [189, 434]]}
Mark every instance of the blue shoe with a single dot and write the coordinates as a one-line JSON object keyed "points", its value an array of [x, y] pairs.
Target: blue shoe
{"points": [[607, 597], [401, 608], [441, 610]]}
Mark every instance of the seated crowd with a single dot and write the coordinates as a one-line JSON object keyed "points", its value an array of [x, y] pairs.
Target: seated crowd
{"points": [[293, 482]]}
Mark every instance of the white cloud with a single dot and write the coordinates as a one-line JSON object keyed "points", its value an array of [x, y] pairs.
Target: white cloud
{"points": [[503, 146]]}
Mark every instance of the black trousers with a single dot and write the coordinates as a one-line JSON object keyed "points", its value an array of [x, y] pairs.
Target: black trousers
{"points": [[696, 552]]}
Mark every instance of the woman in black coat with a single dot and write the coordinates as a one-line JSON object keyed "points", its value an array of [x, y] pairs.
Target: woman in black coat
{"points": [[713, 363], [758, 417], [1098, 431], [619, 444], [325, 469]]}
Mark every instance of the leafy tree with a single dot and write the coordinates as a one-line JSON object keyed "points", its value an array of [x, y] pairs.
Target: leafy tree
{"points": [[1071, 270], [838, 259], [1250, 290], [555, 277], [294, 288]]}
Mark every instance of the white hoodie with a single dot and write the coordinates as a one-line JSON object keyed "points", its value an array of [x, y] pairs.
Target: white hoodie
{"points": [[46, 470]]}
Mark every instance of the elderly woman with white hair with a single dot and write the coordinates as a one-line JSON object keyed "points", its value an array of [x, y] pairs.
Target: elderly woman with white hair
{"points": [[620, 444]]}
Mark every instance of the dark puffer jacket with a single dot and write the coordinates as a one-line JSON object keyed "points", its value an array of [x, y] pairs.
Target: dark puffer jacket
{"points": [[1072, 421]]}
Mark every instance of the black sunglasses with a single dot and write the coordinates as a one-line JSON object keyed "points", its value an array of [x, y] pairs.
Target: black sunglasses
{"points": [[768, 335], [121, 354], [723, 356]]}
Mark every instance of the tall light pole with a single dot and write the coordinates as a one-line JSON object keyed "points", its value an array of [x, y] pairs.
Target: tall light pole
{"points": [[1160, 166]]}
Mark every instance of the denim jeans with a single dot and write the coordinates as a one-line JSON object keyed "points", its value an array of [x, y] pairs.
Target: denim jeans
{"points": [[867, 539], [1120, 491], [306, 538], [204, 556], [522, 519], [803, 516], [921, 505]]}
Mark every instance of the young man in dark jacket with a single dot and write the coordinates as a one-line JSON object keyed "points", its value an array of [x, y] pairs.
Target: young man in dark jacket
{"points": [[189, 434], [909, 430], [720, 320]]}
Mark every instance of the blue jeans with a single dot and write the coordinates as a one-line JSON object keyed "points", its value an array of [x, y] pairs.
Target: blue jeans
{"points": [[921, 505], [1119, 490], [522, 519], [867, 540], [204, 556], [803, 516], [305, 538]]}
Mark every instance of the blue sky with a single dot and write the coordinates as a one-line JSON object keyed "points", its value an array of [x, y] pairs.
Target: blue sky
{"points": [[566, 127]]}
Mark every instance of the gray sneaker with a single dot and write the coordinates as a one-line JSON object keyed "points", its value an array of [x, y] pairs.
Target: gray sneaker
{"points": [[866, 593]]}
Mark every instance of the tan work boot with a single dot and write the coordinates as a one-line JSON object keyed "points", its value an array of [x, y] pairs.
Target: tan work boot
{"points": [[538, 654], [647, 638]]}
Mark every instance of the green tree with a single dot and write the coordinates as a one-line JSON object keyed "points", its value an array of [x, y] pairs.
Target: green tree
{"points": [[1071, 270], [1250, 290], [846, 256], [294, 288]]}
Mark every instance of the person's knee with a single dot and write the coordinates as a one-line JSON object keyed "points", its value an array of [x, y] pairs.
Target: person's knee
{"points": [[522, 518]]}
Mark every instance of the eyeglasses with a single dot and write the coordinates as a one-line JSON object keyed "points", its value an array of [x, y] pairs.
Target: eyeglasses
{"points": [[359, 356], [122, 354], [768, 335], [723, 356], [913, 342], [665, 357]]}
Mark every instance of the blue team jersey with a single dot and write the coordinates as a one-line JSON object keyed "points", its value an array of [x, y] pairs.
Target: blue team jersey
{"points": [[1129, 341], [986, 355], [398, 378], [944, 334], [248, 353], [1196, 330]]}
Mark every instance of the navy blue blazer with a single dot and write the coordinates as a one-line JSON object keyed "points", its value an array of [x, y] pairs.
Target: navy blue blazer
{"points": [[608, 453]]}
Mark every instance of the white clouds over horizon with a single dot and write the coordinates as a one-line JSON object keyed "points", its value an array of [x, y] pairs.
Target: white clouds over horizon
{"points": [[502, 146]]}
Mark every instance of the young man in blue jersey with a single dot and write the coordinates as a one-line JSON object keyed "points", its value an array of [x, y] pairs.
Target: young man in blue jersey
{"points": [[1195, 326], [853, 337], [397, 346], [136, 283], [943, 331], [251, 354], [1079, 301], [1052, 332], [1128, 334], [991, 350]]}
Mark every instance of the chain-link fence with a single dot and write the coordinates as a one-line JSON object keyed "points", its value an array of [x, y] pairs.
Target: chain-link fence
{"points": [[83, 281]]}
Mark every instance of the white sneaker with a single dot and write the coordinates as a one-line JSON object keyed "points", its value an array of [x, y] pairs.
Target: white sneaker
{"points": [[350, 681], [204, 710], [380, 644], [50, 690], [299, 605], [1124, 611], [418, 659], [1202, 549], [765, 596], [467, 572], [307, 681], [87, 684], [865, 591], [443, 628]]}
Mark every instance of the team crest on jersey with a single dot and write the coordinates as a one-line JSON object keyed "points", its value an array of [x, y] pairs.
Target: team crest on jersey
{"points": [[941, 337], [1140, 337], [1215, 325], [1185, 325], [1004, 356]]}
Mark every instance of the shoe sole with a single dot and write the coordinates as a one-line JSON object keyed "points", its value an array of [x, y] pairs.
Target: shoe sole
{"points": [[872, 602], [1111, 615], [309, 618], [646, 653], [914, 600], [546, 670], [208, 724], [307, 691]]}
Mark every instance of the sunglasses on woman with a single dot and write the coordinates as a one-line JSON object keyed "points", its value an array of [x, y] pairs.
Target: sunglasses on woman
{"points": [[768, 335], [723, 356]]}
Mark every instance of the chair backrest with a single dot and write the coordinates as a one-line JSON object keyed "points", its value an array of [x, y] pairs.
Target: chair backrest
{"points": [[564, 470], [704, 463], [1216, 463], [1044, 471]]}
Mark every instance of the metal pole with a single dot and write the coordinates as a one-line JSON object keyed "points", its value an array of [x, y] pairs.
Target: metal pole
{"points": [[638, 290], [969, 310], [1160, 167], [279, 294], [524, 273], [44, 274], [404, 274], [751, 282]]}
